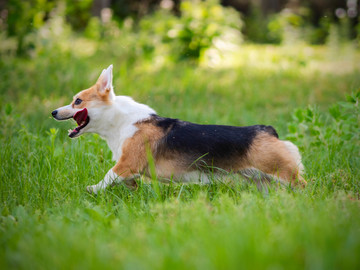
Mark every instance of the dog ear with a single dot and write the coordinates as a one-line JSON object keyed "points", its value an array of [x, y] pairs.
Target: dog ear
{"points": [[105, 82]]}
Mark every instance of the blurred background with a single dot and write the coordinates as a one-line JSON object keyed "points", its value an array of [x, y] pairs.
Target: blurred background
{"points": [[172, 30], [270, 56]]}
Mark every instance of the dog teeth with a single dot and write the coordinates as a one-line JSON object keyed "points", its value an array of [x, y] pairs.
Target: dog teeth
{"points": [[69, 131]]}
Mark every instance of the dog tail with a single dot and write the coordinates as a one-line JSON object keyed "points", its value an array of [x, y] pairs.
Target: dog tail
{"points": [[294, 151], [262, 179]]}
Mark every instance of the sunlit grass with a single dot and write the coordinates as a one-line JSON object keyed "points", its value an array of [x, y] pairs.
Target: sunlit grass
{"points": [[305, 59]]}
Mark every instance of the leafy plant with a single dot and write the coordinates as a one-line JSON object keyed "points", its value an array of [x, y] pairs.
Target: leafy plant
{"points": [[195, 30], [25, 17], [283, 26], [254, 25], [338, 129]]}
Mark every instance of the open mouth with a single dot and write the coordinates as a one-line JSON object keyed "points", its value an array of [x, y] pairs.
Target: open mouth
{"points": [[82, 119]]}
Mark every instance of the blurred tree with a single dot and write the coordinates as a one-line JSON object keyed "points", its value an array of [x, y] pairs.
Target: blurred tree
{"points": [[320, 13], [24, 17], [134, 8], [201, 26], [318, 7], [78, 13], [19, 18], [98, 5]]}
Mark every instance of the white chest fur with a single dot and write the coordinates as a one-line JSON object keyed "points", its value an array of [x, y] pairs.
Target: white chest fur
{"points": [[116, 122], [116, 141]]}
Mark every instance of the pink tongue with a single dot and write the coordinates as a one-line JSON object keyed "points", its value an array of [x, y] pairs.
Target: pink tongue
{"points": [[80, 116]]}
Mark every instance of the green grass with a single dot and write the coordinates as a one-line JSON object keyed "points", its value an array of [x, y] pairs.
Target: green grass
{"points": [[49, 221]]}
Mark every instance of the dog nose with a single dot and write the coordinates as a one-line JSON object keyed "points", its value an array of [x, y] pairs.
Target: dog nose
{"points": [[54, 113]]}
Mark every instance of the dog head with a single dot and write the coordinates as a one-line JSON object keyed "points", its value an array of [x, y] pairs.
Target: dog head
{"points": [[87, 107]]}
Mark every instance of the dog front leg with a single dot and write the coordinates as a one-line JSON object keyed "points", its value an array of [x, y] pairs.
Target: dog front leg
{"points": [[110, 178], [127, 168]]}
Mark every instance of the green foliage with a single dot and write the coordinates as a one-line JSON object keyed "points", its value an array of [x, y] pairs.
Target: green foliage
{"points": [[24, 17], [358, 32], [78, 13], [319, 35], [160, 37], [198, 27], [338, 130], [254, 25], [202, 30], [93, 29], [332, 134], [287, 26]]}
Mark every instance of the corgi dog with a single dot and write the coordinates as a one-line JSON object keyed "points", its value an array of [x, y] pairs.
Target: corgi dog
{"points": [[181, 151]]}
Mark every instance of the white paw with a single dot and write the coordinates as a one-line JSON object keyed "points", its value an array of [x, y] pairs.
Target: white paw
{"points": [[91, 189]]}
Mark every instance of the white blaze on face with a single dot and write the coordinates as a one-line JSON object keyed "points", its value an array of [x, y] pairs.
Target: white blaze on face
{"points": [[65, 112]]}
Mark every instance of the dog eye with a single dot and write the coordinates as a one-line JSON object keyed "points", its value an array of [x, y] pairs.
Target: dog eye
{"points": [[77, 101]]}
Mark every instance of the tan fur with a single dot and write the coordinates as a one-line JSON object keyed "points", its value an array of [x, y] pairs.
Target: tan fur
{"points": [[267, 153], [134, 158], [271, 156], [173, 167], [91, 95]]}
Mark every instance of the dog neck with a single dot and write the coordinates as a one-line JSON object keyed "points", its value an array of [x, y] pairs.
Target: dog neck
{"points": [[117, 122]]}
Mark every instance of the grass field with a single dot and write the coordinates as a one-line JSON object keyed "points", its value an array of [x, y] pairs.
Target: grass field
{"points": [[48, 221]]}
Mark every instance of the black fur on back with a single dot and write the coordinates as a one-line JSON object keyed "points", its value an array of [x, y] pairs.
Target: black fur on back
{"points": [[212, 144]]}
